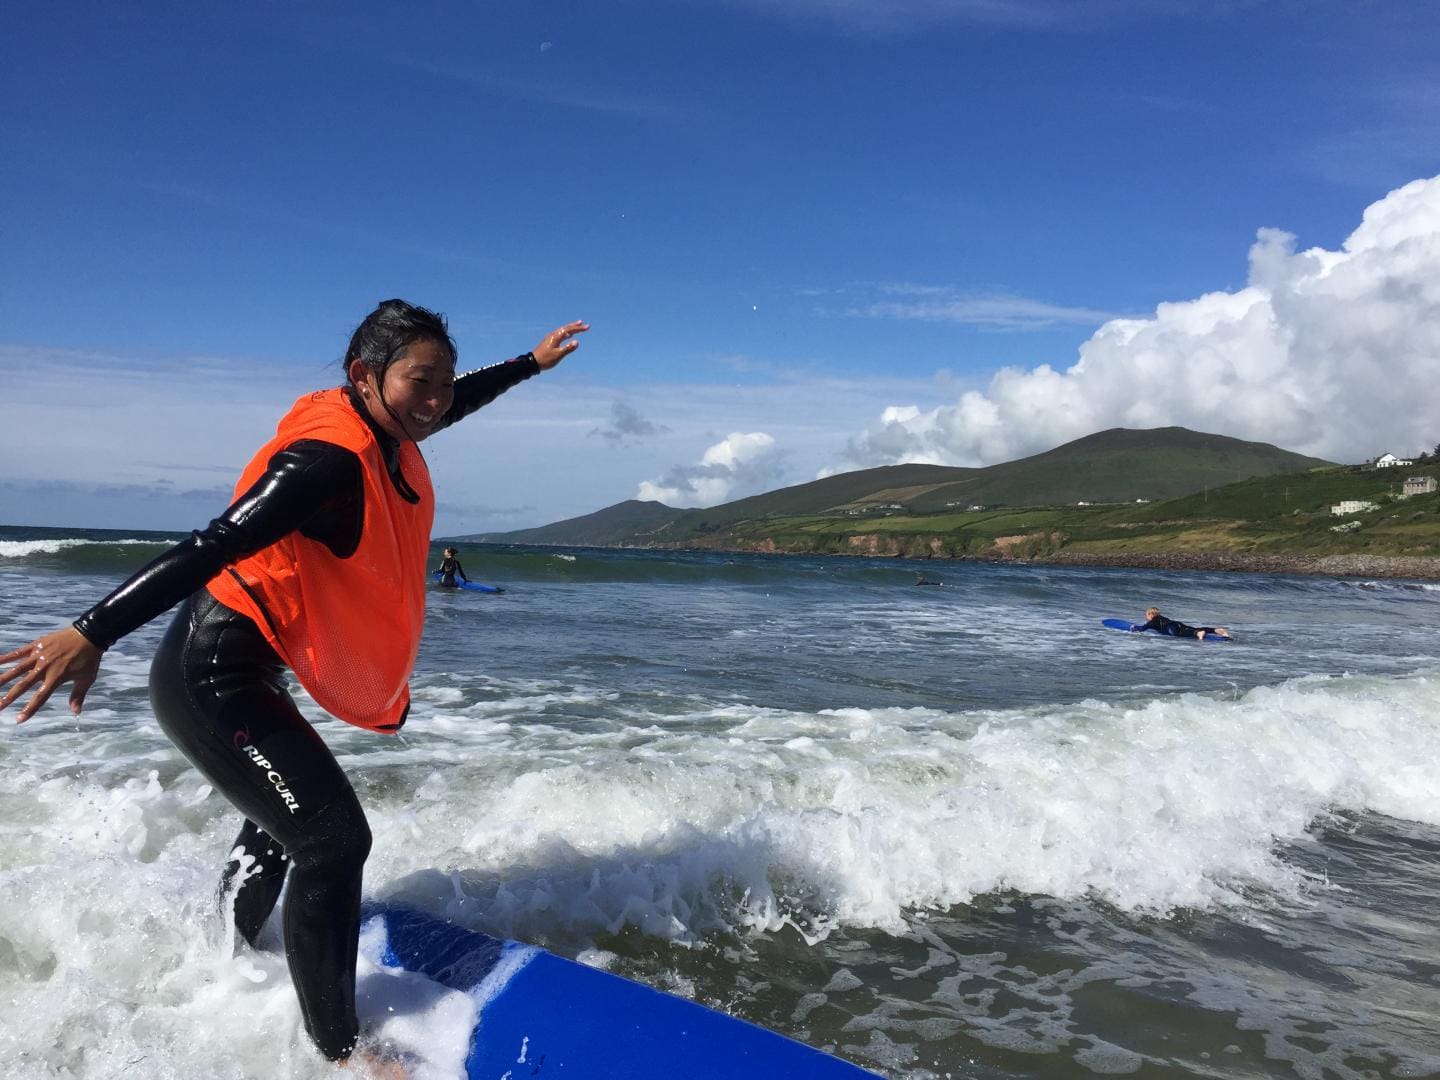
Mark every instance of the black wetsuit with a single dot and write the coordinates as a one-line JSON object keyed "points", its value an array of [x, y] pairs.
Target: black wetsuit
{"points": [[220, 693], [449, 567], [1171, 628]]}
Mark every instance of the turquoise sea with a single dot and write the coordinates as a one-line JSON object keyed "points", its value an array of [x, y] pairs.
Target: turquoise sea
{"points": [[944, 832]]}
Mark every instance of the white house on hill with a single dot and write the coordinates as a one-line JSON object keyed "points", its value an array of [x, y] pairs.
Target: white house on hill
{"points": [[1352, 506], [1390, 461], [1419, 485]]}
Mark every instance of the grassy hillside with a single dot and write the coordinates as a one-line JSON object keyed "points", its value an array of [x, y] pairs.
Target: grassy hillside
{"points": [[835, 492], [1285, 494], [637, 523], [1282, 514], [1119, 465], [627, 523]]}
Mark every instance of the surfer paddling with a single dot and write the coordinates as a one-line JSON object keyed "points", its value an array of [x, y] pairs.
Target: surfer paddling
{"points": [[1170, 628], [319, 566]]}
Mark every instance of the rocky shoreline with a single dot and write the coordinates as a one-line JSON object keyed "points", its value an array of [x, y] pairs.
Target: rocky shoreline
{"points": [[1039, 549], [1364, 566], [1050, 549], [1045, 549]]}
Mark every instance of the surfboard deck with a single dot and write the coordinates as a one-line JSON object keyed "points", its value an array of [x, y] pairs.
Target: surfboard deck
{"points": [[541, 1015], [473, 586], [1130, 628]]}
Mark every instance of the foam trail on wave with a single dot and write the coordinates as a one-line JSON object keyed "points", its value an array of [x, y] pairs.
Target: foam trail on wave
{"points": [[745, 816]]}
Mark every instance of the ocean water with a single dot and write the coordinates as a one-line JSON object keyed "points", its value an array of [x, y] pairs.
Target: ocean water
{"points": [[958, 831]]}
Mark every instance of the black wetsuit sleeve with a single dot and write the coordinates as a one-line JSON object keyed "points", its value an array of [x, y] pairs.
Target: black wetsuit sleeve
{"points": [[305, 482], [460, 570], [476, 389]]}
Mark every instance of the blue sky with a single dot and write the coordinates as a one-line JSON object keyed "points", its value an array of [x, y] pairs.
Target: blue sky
{"points": [[826, 223]]}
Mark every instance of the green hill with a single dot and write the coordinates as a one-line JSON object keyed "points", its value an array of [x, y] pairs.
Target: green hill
{"points": [[1281, 516], [632, 522], [1116, 466]]}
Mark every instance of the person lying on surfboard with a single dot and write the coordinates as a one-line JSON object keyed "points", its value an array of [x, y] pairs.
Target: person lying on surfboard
{"points": [[449, 567], [319, 566], [1169, 627]]}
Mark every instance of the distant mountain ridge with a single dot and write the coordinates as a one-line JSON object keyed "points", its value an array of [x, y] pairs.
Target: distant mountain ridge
{"points": [[1115, 466]]}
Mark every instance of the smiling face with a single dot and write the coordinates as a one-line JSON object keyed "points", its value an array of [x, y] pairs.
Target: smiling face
{"points": [[417, 391]]}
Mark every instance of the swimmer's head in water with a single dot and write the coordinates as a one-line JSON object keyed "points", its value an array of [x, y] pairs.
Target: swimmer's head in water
{"points": [[1151, 612]]}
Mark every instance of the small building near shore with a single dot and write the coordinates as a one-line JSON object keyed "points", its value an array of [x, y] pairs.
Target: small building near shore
{"points": [[1353, 506], [1420, 485]]}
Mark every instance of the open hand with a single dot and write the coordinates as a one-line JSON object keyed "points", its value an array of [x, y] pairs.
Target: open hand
{"points": [[46, 663], [558, 344]]}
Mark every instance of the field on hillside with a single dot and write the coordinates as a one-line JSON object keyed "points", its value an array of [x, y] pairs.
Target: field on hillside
{"points": [[1281, 514]]}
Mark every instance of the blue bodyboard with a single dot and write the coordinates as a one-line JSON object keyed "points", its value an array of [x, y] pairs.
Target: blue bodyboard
{"points": [[473, 586], [1129, 627], [541, 1015]]}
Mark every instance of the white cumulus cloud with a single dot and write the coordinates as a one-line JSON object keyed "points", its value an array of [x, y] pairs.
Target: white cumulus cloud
{"points": [[1331, 353], [742, 463]]}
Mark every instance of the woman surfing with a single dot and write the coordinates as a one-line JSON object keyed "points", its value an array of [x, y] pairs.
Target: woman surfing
{"points": [[317, 566]]}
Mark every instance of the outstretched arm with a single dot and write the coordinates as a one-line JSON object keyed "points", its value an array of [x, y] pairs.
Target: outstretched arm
{"points": [[300, 482], [476, 389]]}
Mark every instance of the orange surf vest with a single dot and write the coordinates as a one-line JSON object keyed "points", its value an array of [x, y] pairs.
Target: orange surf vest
{"points": [[349, 628]]}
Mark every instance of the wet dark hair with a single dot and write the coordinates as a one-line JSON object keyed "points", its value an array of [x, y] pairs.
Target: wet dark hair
{"points": [[390, 329]]}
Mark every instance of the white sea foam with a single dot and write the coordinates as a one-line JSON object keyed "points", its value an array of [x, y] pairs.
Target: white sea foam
{"points": [[19, 549], [587, 812], [745, 816], [616, 758], [425, 1024], [1393, 586]]}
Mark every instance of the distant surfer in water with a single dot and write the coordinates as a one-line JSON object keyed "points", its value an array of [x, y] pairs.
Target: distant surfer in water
{"points": [[921, 579], [319, 566], [1170, 628], [449, 567]]}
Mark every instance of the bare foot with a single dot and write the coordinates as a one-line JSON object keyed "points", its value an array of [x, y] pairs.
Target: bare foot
{"points": [[376, 1065]]}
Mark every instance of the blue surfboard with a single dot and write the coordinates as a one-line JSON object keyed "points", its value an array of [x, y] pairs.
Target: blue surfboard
{"points": [[544, 1016], [1129, 627], [473, 586]]}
